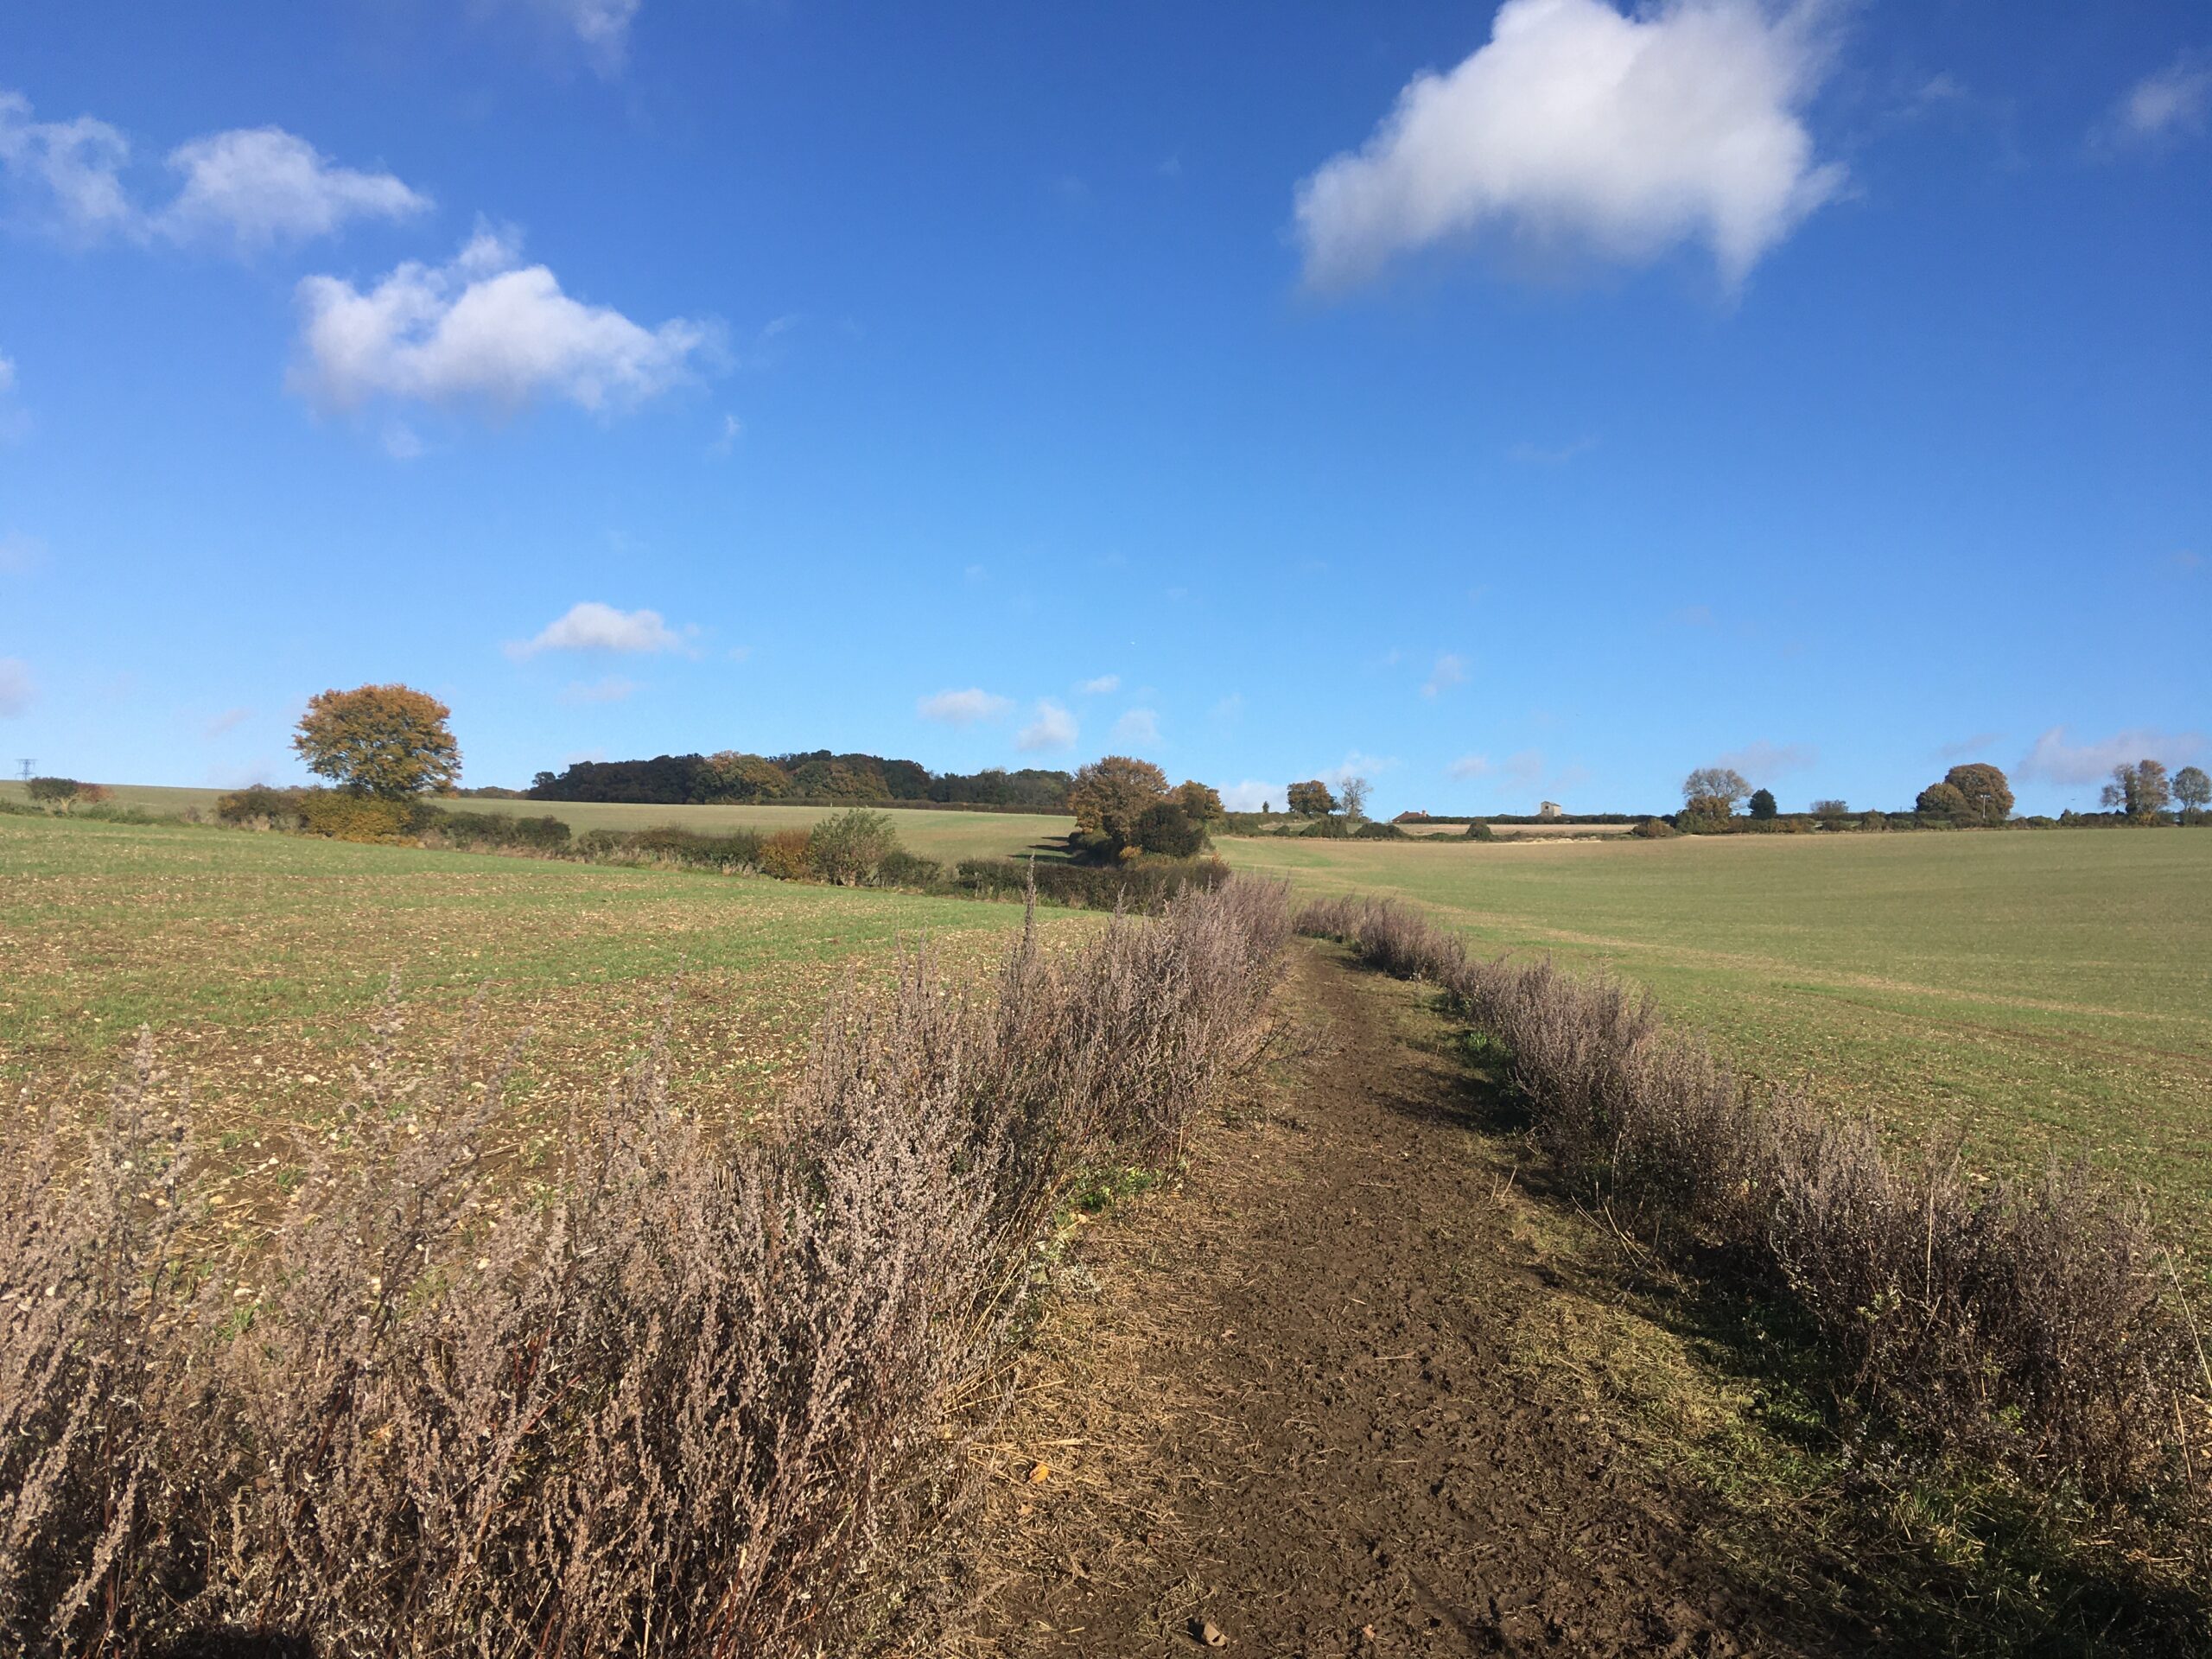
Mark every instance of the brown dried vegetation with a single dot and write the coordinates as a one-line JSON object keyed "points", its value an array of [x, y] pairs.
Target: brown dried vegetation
{"points": [[693, 1404], [2027, 1324]]}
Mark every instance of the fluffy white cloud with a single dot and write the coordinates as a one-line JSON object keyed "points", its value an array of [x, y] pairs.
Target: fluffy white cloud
{"points": [[591, 625], [2167, 104], [964, 708], [69, 173], [251, 186], [16, 691], [1450, 670], [1250, 795], [2054, 760], [1577, 124], [486, 327], [1053, 727], [1760, 761], [259, 185], [1104, 686], [1138, 727]]}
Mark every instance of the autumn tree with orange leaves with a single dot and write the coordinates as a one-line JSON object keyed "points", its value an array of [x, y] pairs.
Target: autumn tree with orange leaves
{"points": [[389, 741]]}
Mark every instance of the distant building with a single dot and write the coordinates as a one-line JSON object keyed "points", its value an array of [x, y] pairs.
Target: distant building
{"points": [[1412, 814], [1551, 809]]}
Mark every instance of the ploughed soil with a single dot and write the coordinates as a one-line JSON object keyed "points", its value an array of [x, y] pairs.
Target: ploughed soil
{"points": [[1316, 1398]]}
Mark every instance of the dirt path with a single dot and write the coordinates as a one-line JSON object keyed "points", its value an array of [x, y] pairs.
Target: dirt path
{"points": [[1300, 1404]]}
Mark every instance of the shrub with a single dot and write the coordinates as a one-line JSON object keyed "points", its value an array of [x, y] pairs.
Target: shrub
{"points": [[503, 831], [1374, 831], [344, 816], [1479, 830], [55, 790], [901, 868], [1654, 829], [1327, 826], [694, 1402], [846, 850], [1140, 885], [258, 806], [1876, 822], [1946, 802], [1705, 815], [1169, 831], [786, 855]]}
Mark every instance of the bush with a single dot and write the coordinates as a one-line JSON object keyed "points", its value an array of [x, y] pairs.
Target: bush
{"points": [[697, 1400], [1479, 830], [343, 816], [2022, 1323], [1374, 831], [786, 855], [846, 850], [259, 807], [55, 790], [911, 871], [1169, 831], [1654, 829], [501, 831], [1141, 885]]}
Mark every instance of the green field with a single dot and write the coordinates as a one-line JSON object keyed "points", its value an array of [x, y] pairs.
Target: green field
{"points": [[258, 960], [947, 835], [2047, 992]]}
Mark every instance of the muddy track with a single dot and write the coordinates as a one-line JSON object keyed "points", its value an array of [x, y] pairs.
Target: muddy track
{"points": [[1293, 1400]]}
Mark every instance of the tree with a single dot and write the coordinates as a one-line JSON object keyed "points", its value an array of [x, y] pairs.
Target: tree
{"points": [[1166, 829], [2192, 788], [1722, 783], [736, 776], [389, 741], [1200, 804], [1988, 795], [1944, 801], [1109, 796], [1763, 804], [1354, 794], [1830, 811], [1311, 799], [2140, 790], [848, 850]]}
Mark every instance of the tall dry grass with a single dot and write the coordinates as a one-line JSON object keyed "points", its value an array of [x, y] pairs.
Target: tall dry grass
{"points": [[2026, 1322], [698, 1403]]}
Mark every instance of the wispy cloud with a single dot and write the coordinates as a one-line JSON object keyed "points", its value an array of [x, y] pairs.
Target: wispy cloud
{"points": [[2054, 758], [1524, 767], [1052, 727], [1139, 726], [608, 687], [2170, 103], [1250, 795], [483, 328], [1762, 760], [1979, 743], [1536, 454], [964, 708], [591, 625], [1451, 670], [20, 555], [1104, 686], [229, 720], [1627, 135], [17, 691]]}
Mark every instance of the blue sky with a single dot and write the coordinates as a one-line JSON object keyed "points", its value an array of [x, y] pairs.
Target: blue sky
{"points": [[1506, 404]]}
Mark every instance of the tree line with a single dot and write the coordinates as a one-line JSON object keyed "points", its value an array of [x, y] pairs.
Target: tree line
{"points": [[732, 777]]}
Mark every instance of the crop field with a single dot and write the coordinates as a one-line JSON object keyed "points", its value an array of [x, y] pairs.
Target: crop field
{"points": [[260, 962], [947, 835], [2040, 993]]}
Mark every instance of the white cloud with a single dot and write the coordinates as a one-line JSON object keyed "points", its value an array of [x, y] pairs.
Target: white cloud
{"points": [[964, 708], [2054, 760], [1574, 123], [1468, 767], [591, 625], [602, 25], [16, 691], [229, 720], [400, 441], [1450, 670], [485, 328], [1250, 796], [726, 438], [2171, 104], [1524, 768], [69, 173], [1967, 746], [609, 688], [1139, 726], [1760, 761], [7, 374], [1104, 685], [1054, 728], [261, 185]]}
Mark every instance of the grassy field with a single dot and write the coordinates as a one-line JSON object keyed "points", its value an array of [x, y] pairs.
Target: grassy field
{"points": [[2041, 993], [260, 960], [947, 835]]}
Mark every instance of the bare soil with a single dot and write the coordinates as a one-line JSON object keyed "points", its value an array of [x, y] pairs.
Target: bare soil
{"points": [[1299, 1405]]}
